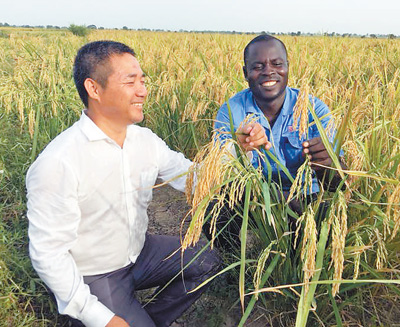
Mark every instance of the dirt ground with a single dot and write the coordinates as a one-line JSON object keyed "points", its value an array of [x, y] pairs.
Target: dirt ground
{"points": [[217, 307]]}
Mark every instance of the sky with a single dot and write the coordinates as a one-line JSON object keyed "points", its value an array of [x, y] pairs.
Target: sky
{"points": [[308, 16]]}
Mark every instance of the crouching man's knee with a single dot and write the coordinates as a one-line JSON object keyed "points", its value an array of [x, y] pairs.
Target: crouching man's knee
{"points": [[205, 264]]}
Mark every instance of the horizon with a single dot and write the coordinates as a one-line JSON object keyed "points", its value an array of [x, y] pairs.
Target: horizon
{"points": [[94, 27], [310, 16]]}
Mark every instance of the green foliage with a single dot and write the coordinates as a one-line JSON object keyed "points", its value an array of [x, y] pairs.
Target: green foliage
{"points": [[79, 30], [4, 35]]}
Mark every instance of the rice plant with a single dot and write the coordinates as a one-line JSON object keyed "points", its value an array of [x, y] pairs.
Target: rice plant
{"points": [[189, 77]]}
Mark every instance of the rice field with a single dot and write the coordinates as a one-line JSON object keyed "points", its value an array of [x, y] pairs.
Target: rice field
{"points": [[189, 77]]}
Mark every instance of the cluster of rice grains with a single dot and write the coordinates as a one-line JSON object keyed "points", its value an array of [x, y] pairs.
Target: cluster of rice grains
{"points": [[220, 180]]}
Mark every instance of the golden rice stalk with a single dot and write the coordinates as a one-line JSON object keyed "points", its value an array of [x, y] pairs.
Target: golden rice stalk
{"points": [[208, 171], [392, 86], [357, 255], [300, 110], [338, 218], [21, 110], [248, 120], [31, 122], [309, 245], [355, 157], [174, 102], [393, 210], [193, 112], [381, 251], [213, 165], [330, 128], [260, 267], [303, 182]]}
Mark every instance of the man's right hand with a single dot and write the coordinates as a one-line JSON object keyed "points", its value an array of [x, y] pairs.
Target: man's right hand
{"points": [[117, 322], [252, 136]]}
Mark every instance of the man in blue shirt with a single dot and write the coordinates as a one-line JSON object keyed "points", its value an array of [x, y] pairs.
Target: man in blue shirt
{"points": [[271, 102]]}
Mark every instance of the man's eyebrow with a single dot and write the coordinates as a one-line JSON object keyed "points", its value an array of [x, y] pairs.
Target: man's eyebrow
{"points": [[135, 75]]}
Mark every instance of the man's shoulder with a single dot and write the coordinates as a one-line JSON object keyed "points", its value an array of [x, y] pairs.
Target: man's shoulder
{"points": [[239, 100], [241, 97], [65, 143]]}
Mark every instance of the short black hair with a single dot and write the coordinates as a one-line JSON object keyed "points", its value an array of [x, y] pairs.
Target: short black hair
{"points": [[261, 38], [90, 58]]}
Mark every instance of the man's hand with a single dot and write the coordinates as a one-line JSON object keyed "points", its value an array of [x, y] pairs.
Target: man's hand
{"points": [[316, 152], [117, 322], [252, 136]]}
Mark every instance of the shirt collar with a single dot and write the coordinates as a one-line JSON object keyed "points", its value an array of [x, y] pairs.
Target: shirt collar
{"points": [[90, 129], [287, 108]]}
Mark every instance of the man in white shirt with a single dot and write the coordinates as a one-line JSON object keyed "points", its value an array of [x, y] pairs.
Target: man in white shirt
{"points": [[88, 193]]}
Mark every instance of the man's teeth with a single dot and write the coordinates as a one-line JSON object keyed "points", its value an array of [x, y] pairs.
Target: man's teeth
{"points": [[138, 104], [269, 83]]}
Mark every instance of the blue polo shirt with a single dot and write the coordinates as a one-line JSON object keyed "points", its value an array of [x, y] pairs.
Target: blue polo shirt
{"points": [[286, 143]]}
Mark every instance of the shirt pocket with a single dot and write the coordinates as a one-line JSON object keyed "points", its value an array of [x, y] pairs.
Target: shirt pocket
{"points": [[292, 151], [147, 181]]}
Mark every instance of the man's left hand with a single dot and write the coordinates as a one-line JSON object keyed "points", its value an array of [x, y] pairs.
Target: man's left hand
{"points": [[316, 152]]}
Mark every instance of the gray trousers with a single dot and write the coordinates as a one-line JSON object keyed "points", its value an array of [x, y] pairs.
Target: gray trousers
{"points": [[156, 266]]}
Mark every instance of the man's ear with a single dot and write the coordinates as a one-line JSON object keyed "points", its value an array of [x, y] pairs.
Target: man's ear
{"points": [[245, 72], [92, 88]]}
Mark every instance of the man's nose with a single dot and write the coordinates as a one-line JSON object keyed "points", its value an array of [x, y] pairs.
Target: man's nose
{"points": [[142, 91], [268, 69]]}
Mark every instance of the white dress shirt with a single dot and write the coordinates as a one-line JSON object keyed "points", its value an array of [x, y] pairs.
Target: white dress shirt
{"points": [[87, 202]]}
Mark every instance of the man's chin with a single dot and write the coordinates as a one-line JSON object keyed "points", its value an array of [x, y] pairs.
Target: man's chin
{"points": [[137, 120]]}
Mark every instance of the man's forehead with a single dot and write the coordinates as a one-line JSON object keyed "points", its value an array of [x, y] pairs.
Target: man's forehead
{"points": [[267, 44], [125, 64]]}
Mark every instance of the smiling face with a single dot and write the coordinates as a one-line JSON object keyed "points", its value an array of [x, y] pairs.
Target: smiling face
{"points": [[266, 70], [121, 99]]}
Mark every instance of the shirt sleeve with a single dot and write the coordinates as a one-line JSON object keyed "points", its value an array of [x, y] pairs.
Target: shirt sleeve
{"points": [[54, 217], [222, 126], [173, 165]]}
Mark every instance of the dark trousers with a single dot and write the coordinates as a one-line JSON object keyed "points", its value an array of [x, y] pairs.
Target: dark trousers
{"points": [[158, 263]]}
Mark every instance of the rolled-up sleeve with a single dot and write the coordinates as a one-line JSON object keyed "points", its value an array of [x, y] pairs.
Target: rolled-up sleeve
{"points": [[54, 218]]}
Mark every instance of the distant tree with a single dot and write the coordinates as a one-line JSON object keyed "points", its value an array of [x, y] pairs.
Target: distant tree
{"points": [[92, 27], [125, 28], [78, 30], [101, 28], [372, 36], [49, 26], [391, 36], [6, 24]]}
